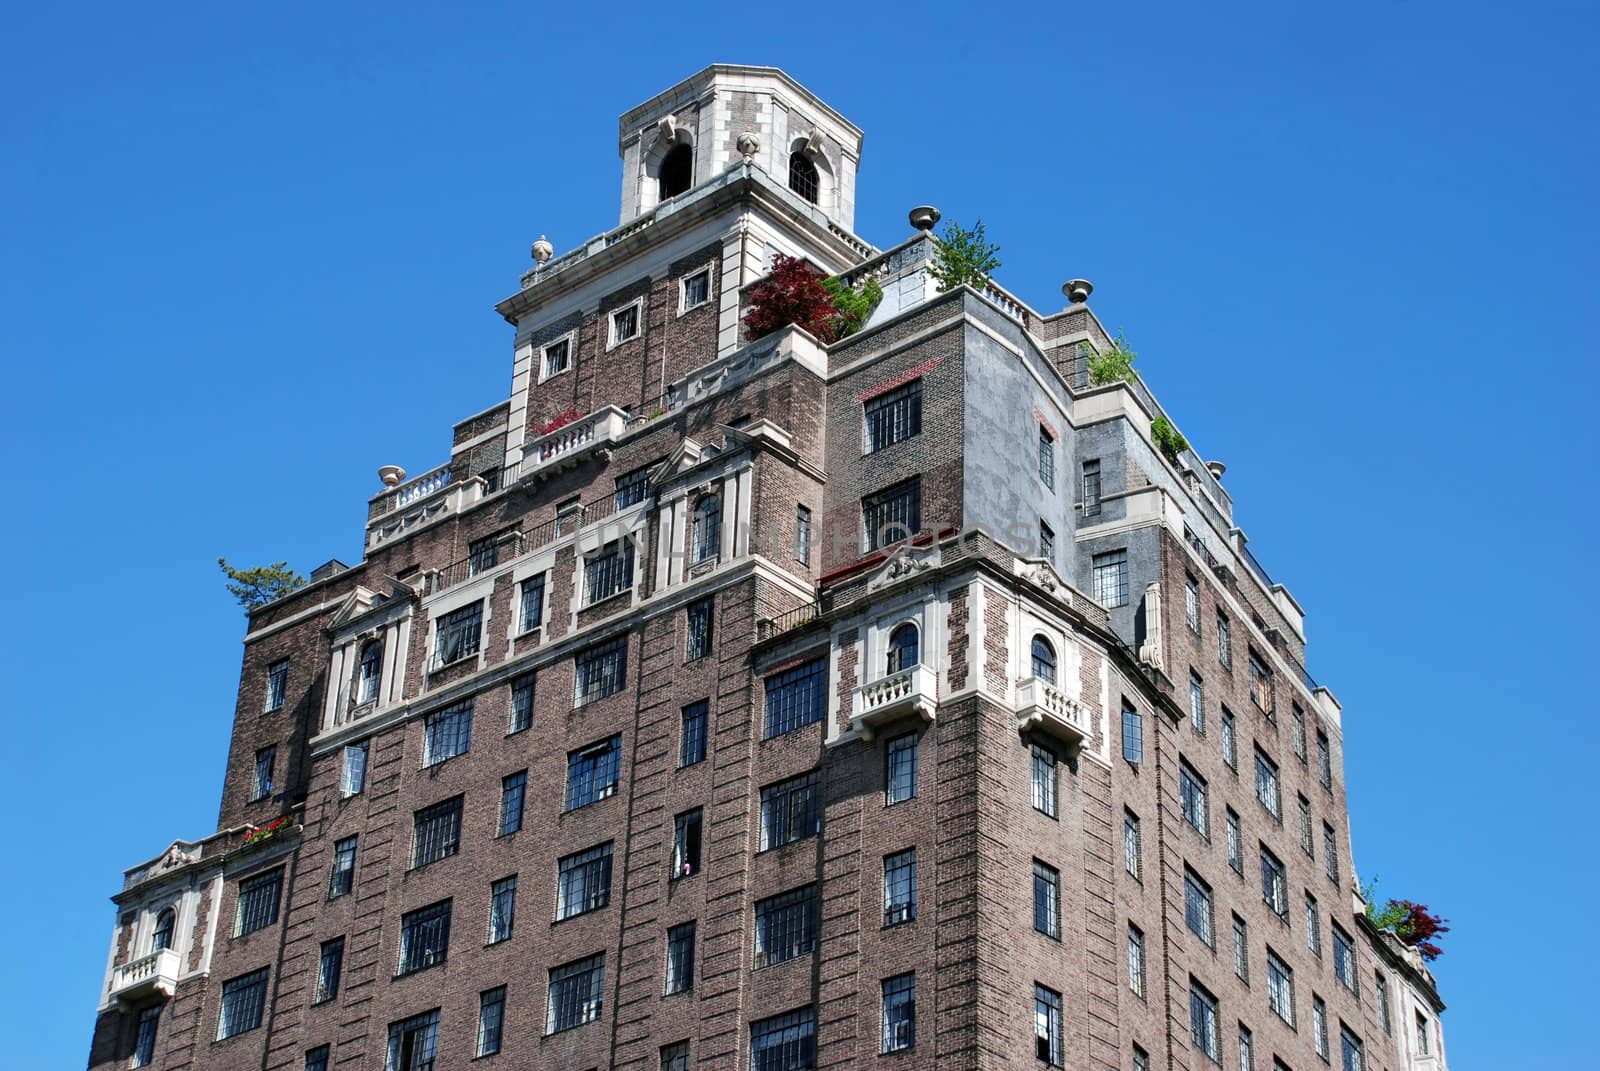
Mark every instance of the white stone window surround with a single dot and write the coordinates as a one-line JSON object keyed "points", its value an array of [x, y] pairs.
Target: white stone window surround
{"points": [[708, 269], [389, 622], [730, 474], [637, 304], [927, 607], [571, 339], [875, 636], [478, 590], [185, 903]]}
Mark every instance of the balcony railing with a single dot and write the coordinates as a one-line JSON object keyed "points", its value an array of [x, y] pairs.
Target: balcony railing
{"points": [[1044, 708], [910, 693], [569, 443], [155, 973]]}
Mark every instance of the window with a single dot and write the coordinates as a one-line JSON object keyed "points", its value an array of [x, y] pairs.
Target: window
{"points": [[1344, 960], [786, 926], [899, 1012], [1267, 790], [1330, 852], [329, 966], [1047, 1025], [502, 909], [1044, 660], [1230, 740], [1235, 849], [784, 1042], [1047, 458], [893, 514], [1136, 961], [1141, 1059], [698, 624], [1324, 761], [675, 1057], [1047, 900], [413, 1043], [575, 993], [903, 649], [436, 832], [370, 671], [900, 887], [705, 534], [1298, 727], [675, 174], [1091, 488], [1192, 796], [1132, 734], [632, 488], [557, 358], [692, 733], [1274, 883], [803, 177], [790, 811], [521, 704], [802, 534], [1260, 684], [900, 770], [530, 604], [624, 324], [1224, 641], [1424, 1035], [244, 1000], [317, 1058], [1380, 985], [491, 1017], [258, 902], [353, 770], [1351, 1055], [696, 289], [1197, 703], [583, 882], [1313, 925], [161, 936], [1280, 988], [457, 633], [1191, 603], [1319, 1025], [1247, 1049], [680, 958], [261, 782], [483, 555], [601, 671], [1197, 907], [1132, 853], [1044, 778], [343, 878], [144, 1044], [609, 572], [1203, 1022], [686, 844], [796, 697], [446, 734], [277, 684], [1241, 949], [592, 772], [513, 790], [424, 937], [1305, 827], [1111, 579]]}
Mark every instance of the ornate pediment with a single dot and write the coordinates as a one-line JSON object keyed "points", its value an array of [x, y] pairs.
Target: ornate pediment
{"points": [[906, 562]]}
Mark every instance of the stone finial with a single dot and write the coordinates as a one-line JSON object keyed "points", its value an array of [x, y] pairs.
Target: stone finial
{"points": [[1077, 290], [391, 475], [542, 250], [1216, 468], [924, 217], [748, 145]]}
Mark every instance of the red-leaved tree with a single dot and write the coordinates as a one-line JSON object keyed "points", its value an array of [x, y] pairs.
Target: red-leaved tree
{"points": [[1419, 926], [792, 294]]}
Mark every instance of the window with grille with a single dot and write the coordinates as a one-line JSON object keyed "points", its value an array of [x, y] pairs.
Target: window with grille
{"points": [[261, 782], [1193, 798], [1136, 961], [1319, 1025], [900, 1012], [705, 529], [1047, 541], [592, 772], [609, 572], [277, 684], [502, 909], [600, 671], [1306, 843], [1313, 926], [784, 1042], [786, 926], [1197, 907], [1043, 660], [1380, 986], [1132, 734], [892, 514], [330, 964], [1047, 1025], [1091, 488], [317, 1058], [1274, 883], [1267, 789], [692, 733], [900, 887], [698, 625], [1352, 1057], [624, 324], [1260, 684], [1330, 852], [244, 1002], [1247, 1049], [1280, 988], [144, 1044], [521, 704], [802, 534], [686, 844], [491, 1018], [1132, 850], [796, 697], [1230, 740], [1344, 960], [1197, 703], [576, 990], [696, 289], [424, 937], [1044, 778], [1046, 899], [1047, 458], [353, 769], [1111, 578], [1191, 603], [675, 1057], [803, 177], [343, 877], [1241, 949], [413, 1043], [1235, 847], [680, 958], [446, 734], [436, 832], [583, 882], [1224, 641], [1324, 761], [791, 810], [1203, 1022], [900, 770], [530, 604], [557, 358], [513, 791], [483, 554], [456, 635], [258, 902], [632, 488], [370, 673]]}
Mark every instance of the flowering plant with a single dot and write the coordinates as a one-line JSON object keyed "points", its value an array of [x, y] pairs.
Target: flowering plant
{"points": [[266, 832], [562, 419]]}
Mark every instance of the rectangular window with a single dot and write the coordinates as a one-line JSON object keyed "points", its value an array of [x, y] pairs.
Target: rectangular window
{"points": [[329, 966], [491, 1017], [353, 769], [521, 704], [446, 734], [624, 324], [1091, 488], [1047, 899], [1313, 926], [893, 417], [513, 791], [1197, 907], [1111, 579], [1247, 1049], [483, 555], [609, 572], [686, 844], [1319, 1025], [784, 1042], [696, 289], [900, 770], [1280, 988], [1141, 1059], [244, 1002], [697, 642], [424, 937], [1132, 852], [144, 1044], [1260, 685], [436, 832], [1136, 960], [413, 1043], [317, 1058], [1193, 797], [790, 810], [899, 1012], [632, 488], [456, 635], [892, 514], [258, 902], [261, 783], [277, 684], [796, 697], [1191, 603], [1235, 847], [583, 882], [1047, 1026], [1047, 458], [692, 733], [1380, 986], [680, 958], [530, 604], [675, 1057], [1344, 960], [1351, 1055], [1330, 852], [1267, 790], [557, 358], [1203, 1022], [1197, 703], [343, 878], [802, 534], [1324, 761], [1047, 541], [600, 671], [1132, 734], [1305, 827], [576, 990], [1298, 727], [592, 773], [1274, 883], [1044, 778], [1230, 740], [1224, 641], [900, 887], [1424, 1035], [502, 909], [1241, 949], [786, 926]]}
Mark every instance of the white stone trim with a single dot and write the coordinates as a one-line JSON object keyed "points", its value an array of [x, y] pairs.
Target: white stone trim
{"points": [[571, 339], [612, 341]]}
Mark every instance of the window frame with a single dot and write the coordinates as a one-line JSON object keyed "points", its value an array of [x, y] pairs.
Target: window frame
{"points": [[613, 339], [684, 281], [568, 342]]}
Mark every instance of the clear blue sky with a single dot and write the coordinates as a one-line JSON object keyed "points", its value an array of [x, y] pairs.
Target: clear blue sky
{"points": [[250, 256]]}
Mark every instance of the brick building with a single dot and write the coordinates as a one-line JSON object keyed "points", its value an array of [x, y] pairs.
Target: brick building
{"points": [[719, 703]]}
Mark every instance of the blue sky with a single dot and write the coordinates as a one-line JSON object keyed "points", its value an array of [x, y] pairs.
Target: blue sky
{"points": [[249, 256]]}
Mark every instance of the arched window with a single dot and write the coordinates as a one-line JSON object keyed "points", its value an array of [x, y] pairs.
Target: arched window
{"points": [[803, 177], [371, 671], [162, 937], [676, 173], [707, 535], [903, 652], [1044, 660]]}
